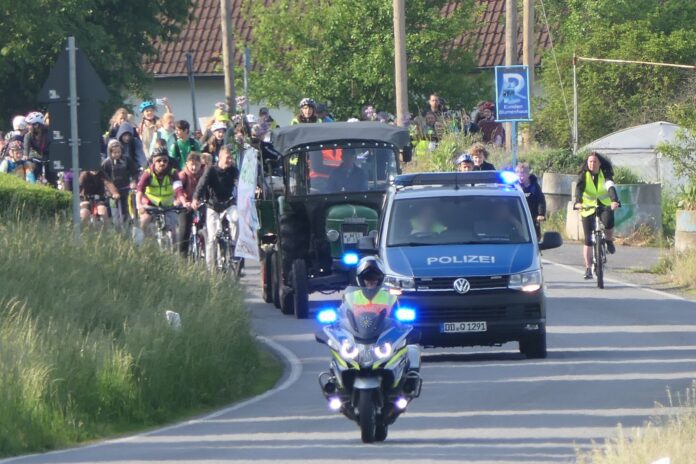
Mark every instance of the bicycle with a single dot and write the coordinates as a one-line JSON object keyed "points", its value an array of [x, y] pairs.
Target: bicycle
{"points": [[164, 236], [94, 202], [197, 240], [226, 262], [599, 243]]}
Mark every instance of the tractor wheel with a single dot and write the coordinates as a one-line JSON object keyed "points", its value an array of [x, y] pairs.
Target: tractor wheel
{"points": [[286, 301], [276, 279], [267, 277], [300, 289]]}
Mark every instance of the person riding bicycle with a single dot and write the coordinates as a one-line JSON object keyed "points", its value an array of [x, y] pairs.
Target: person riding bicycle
{"points": [[36, 145], [122, 171], [159, 186], [189, 177], [369, 296], [595, 187], [218, 187], [93, 188]]}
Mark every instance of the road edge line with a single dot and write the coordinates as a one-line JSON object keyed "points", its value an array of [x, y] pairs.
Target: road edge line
{"points": [[622, 282], [293, 376]]}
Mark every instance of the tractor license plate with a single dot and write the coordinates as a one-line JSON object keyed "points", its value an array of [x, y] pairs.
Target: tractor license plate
{"points": [[461, 327], [351, 237]]}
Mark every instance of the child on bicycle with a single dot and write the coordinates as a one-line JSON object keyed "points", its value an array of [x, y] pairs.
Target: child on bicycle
{"points": [[123, 172], [93, 187], [189, 177], [596, 190]]}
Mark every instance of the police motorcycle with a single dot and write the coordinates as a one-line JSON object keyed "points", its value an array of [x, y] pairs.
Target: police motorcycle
{"points": [[375, 367]]}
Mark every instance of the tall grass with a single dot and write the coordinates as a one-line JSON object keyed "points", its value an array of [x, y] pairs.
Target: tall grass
{"points": [[85, 349], [669, 437]]}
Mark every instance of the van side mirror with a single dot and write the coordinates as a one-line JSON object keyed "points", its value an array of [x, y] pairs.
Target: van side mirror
{"points": [[407, 154], [367, 244], [550, 240]]}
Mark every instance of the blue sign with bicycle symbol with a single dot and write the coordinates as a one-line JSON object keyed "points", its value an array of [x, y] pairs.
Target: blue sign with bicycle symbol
{"points": [[512, 93]]}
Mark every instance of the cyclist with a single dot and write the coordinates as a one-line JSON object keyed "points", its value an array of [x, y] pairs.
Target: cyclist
{"points": [[159, 186], [535, 197], [165, 132], [93, 187], [369, 296], [13, 163], [19, 127], [465, 162], [122, 171], [131, 146], [217, 140], [148, 123], [308, 113], [595, 186], [218, 185], [189, 177], [36, 144]]}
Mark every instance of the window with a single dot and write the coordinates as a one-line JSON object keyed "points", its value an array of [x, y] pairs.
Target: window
{"points": [[457, 220]]}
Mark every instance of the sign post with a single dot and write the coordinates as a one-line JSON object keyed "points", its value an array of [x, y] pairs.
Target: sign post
{"points": [[512, 99], [73, 93]]}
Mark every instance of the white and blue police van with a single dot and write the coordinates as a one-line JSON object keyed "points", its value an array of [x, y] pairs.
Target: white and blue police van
{"points": [[460, 248]]}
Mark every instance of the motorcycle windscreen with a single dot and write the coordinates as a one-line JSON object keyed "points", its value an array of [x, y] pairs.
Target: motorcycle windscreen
{"points": [[367, 324]]}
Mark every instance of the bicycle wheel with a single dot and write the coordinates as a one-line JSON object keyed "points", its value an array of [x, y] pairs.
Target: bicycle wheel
{"points": [[222, 260], [599, 261]]}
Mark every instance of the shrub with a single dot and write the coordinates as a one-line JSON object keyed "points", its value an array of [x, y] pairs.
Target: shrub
{"points": [[86, 349], [624, 176], [559, 161], [21, 198], [669, 213]]}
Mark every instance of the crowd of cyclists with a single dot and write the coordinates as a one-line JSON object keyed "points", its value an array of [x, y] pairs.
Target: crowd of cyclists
{"points": [[160, 162]]}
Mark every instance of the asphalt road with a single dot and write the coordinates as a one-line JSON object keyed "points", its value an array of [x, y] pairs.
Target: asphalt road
{"points": [[612, 355]]}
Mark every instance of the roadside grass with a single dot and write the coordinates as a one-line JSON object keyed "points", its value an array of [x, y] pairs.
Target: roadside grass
{"points": [[85, 348], [670, 436]]}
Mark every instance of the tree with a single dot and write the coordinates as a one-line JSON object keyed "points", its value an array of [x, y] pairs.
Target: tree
{"points": [[613, 96], [342, 52], [114, 34]]}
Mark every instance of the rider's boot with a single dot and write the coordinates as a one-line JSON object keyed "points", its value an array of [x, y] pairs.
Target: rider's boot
{"points": [[610, 247], [588, 274]]}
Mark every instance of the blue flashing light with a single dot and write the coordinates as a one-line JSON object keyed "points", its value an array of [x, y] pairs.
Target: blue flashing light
{"points": [[405, 314], [327, 316], [509, 177], [350, 259]]}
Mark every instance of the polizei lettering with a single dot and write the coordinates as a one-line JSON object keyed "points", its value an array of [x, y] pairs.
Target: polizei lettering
{"points": [[466, 259]]}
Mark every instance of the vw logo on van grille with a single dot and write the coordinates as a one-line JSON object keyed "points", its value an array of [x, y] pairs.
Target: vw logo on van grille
{"points": [[462, 285]]}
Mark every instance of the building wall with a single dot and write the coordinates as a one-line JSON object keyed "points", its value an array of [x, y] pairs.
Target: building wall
{"points": [[208, 92]]}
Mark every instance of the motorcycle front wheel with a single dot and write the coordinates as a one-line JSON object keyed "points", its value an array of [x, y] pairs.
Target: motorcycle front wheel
{"points": [[367, 416]]}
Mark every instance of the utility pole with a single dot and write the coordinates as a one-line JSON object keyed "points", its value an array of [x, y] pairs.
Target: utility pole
{"points": [[511, 59], [528, 37], [400, 73], [228, 52]]}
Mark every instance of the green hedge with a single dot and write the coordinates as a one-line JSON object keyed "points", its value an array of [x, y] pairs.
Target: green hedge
{"points": [[22, 199]]}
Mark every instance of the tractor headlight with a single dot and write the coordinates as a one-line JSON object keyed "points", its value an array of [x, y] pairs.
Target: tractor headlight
{"points": [[526, 281], [332, 235]]}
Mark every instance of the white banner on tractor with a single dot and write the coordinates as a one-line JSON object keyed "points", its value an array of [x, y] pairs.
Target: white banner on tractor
{"points": [[247, 242]]}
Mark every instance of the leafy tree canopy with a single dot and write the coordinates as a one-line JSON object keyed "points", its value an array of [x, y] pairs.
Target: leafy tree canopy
{"points": [[613, 96], [114, 34], [342, 52]]}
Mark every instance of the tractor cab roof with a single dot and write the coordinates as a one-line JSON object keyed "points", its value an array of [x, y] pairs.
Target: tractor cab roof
{"points": [[287, 138]]}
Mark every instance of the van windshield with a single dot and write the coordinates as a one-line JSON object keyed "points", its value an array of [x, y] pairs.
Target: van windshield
{"points": [[458, 220]]}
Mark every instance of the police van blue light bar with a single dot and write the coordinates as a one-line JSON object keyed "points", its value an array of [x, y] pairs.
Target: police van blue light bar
{"points": [[405, 314], [350, 259], [461, 179], [509, 177], [327, 316]]}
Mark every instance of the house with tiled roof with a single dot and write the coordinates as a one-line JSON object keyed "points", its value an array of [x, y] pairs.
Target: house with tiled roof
{"points": [[203, 39]]}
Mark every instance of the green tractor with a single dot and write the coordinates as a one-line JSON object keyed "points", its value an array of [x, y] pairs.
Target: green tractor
{"points": [[331, 193]]}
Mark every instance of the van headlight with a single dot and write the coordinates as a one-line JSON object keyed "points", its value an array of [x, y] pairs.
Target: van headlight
{"points": [[526, 281], [399, 282]]}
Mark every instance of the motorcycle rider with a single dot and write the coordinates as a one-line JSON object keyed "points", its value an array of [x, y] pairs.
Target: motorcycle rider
{"points": [[369, 296]]}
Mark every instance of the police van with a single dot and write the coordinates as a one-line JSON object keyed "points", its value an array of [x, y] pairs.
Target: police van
{"points": [[460, 248]]}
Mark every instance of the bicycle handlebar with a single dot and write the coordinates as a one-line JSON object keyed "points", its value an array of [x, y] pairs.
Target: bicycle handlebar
{"points": [[155, 210], [585, 208]]}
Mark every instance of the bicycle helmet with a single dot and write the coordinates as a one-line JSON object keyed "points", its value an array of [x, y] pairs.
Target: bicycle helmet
{"points": [[308, 102], [145, 105], [370, 267], [464, 158], [34, 118], [159, 153], [19, 123], [218, 126]]}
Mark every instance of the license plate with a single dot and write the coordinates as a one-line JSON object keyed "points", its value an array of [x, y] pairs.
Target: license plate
{"points": [[462, 327], [351, 237]]}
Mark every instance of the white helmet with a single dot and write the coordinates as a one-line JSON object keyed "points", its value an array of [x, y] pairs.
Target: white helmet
{"points": [[19, 123], [218, 126], [34, 118]]}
